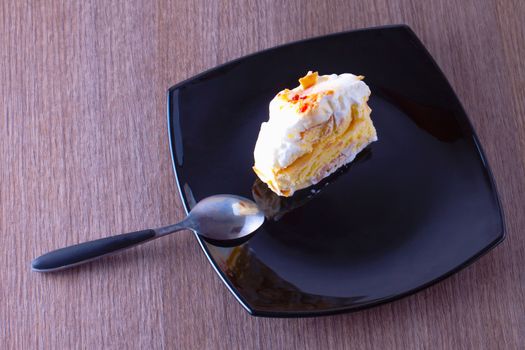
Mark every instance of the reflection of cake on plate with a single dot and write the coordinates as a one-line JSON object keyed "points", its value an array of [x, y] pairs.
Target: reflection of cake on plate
{"points": [[313, 130], [275, 207]]}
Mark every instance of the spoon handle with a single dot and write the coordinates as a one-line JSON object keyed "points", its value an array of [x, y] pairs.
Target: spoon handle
{"points": [[81, 253]]}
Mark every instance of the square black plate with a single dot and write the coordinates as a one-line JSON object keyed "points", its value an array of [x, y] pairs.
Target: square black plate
{"points": [[417, 206]]}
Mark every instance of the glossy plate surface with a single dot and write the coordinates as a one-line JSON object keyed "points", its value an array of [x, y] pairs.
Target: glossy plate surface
{"points": [[416, 206]]}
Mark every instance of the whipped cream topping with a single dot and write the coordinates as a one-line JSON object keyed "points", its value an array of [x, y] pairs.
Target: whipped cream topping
{"points": [[293, 111]]}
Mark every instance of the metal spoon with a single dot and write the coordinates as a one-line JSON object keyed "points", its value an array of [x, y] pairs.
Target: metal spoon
{"points": [[218, 218]]}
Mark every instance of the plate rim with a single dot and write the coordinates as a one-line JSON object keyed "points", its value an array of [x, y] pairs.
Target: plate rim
{"points": [[309, 313]]}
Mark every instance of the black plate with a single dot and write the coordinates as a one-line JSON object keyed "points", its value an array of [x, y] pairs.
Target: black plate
{"points": [[416, 206]]}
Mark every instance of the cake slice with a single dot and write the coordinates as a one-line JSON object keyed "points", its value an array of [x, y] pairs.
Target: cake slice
{"points": [[313, 130]]}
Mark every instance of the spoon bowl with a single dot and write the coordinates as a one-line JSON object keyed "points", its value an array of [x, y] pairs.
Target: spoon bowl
{"points": [[225, 217]]}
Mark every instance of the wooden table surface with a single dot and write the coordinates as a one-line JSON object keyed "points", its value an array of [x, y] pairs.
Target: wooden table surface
{"points": [[84, 153]]}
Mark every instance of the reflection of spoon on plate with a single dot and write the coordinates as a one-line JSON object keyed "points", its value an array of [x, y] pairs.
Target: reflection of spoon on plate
{"points": [[220, 218]]}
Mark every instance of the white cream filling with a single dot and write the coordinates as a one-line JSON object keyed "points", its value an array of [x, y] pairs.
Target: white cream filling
{"points": [[279, 143]]}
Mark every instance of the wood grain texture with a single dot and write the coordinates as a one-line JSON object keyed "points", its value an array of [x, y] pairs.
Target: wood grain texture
{"points": [[84, 153]]}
